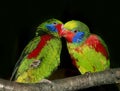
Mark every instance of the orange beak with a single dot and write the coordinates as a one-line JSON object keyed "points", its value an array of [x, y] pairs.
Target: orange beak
{"points": [[67, 34]]}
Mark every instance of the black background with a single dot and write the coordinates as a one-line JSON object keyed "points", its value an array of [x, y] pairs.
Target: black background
{"points": [[19, 19]]}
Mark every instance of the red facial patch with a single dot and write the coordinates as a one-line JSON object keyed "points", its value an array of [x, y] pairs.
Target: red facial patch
{"points": [[94, 42], [40, 45], [68, 35]]}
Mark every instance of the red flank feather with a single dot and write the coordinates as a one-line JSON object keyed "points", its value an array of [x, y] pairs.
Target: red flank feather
{"points": [[40, 45], [94, 42]]}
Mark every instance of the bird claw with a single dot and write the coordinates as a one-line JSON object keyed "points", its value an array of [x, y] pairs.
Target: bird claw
{"points": [[87, 73], [45, 81]]}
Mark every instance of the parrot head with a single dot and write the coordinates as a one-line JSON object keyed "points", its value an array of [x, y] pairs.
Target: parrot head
{"points": [[75, 31], [47, 27], [55, 28]]}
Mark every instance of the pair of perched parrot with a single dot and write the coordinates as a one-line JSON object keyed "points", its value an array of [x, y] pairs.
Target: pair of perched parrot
{"points": [[41, 56]]}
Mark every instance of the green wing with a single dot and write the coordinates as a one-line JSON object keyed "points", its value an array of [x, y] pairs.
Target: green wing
{"points": [[31, 45], [35, 69], [29, 48]]}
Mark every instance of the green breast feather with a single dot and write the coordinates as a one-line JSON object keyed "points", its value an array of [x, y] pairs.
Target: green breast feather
{"points": [[88, 59], [35, 69]]}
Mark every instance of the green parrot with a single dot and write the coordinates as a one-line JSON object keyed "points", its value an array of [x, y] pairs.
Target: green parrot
{"points": [[88, 51], [40, 57]]}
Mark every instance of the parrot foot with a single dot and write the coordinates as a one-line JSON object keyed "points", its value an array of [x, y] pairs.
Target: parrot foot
{"points": [[46, 81], [88, 73]]}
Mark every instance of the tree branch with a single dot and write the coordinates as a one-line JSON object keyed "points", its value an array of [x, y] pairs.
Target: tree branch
{"points": [[111, 76]]}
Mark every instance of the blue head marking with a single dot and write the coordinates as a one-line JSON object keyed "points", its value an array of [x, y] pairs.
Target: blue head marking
{"points": [[51, 27], [78, 37]]}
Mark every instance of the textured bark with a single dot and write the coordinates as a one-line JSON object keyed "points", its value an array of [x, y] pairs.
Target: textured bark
{"points": [[111, 76]]}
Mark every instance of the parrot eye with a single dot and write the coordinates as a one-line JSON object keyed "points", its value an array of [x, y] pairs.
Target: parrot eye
{"points": [[54, 23], [75, 31]]}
